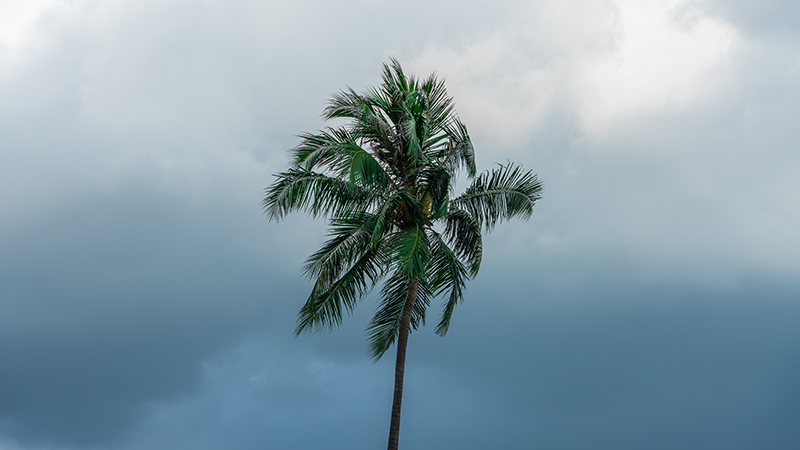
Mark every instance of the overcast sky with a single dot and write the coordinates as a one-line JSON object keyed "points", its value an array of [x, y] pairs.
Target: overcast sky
{"points": [[652, 302]]}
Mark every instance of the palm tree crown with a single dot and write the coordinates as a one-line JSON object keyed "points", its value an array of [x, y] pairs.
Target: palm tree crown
{"points": [[384, 182]]}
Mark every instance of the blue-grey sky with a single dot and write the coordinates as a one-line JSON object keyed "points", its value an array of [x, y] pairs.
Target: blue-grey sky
{"points": [[651, 302]]}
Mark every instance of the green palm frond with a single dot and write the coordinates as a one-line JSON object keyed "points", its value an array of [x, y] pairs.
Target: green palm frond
{"points": [[326, 305], [349, 240], [411, 130], [410, 251], [315, 193], [439, 110], [386, 215], [347, 104], [368, 120], [323, 149], [382, 329], [446, 274], [458, 152], [338, 150], [463, 233], [501, 194], [395, 83], [361, 168]]}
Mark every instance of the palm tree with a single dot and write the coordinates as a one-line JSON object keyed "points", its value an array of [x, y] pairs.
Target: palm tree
{"points": [[384, 182]]}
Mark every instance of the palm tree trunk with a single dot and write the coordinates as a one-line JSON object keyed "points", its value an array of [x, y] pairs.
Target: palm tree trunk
{"points": [[400, 364]]}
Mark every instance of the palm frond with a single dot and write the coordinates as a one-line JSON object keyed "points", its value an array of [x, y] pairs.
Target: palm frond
{"points": [[410, 251], [323, 149], [361, 168], [411, 130], [382, 329], [347, 104], [395, 82], [463, 233], [501, 194], [387, 213], [446, 274], [328, 302], [349, 240], [315, 193], [458, 152]]}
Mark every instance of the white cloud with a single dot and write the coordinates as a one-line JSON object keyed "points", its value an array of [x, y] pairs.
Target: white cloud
{"points": [[17, 17], [600, 62], [657, 61]]}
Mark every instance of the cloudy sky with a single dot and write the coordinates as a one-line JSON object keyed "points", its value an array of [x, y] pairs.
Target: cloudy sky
{"points": [[652, 302]]}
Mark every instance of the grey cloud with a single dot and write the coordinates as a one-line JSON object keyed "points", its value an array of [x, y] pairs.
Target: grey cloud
{"points": [[146, 303], [771, 18], [113, 303], [658, 370], [678, 368]]}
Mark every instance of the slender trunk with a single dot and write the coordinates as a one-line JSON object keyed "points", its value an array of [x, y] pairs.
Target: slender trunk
{"points": [[400, 364]]}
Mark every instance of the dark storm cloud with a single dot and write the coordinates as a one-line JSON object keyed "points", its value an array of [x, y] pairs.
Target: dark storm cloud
{"points": [[113, 302], [613, 370], [659, 370]]}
